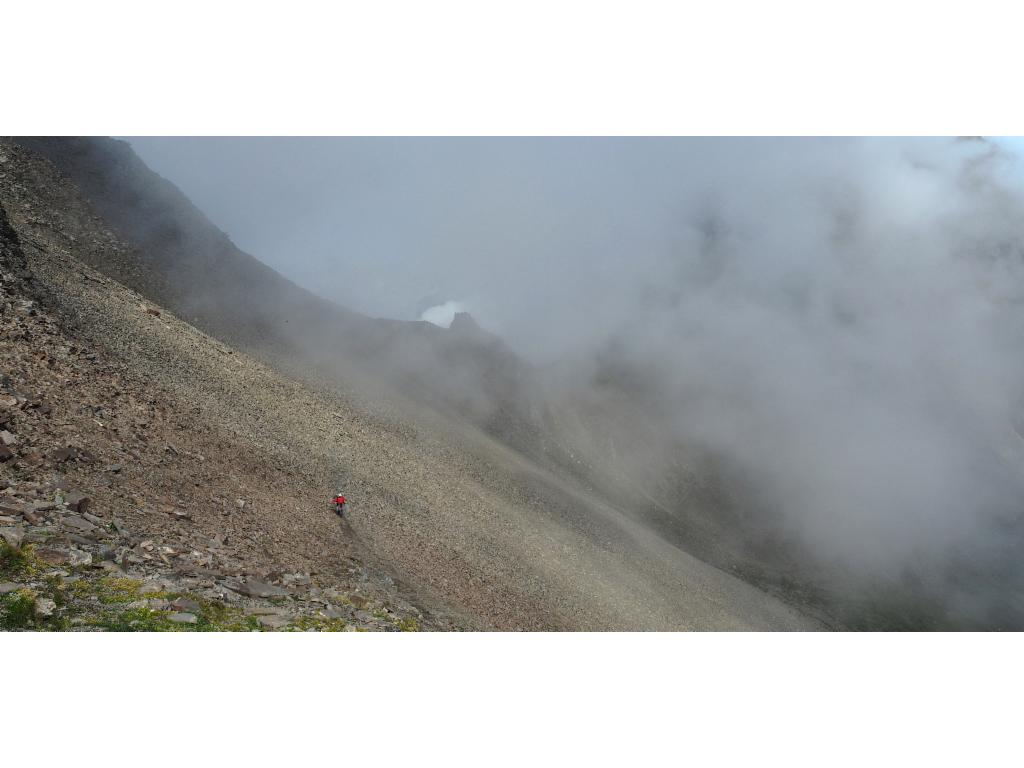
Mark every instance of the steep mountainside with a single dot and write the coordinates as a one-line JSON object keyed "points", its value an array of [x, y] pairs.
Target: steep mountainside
{"points": [[456, 489], [179, 259], [123, 506]]}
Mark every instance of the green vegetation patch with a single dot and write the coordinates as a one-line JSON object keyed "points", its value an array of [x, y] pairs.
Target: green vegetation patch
{"points": [[113, 589], [15, 562], [18, 609], [218, 617], [135, 620], [118, 604], [318, 624], [212, 617], [408, 625]]}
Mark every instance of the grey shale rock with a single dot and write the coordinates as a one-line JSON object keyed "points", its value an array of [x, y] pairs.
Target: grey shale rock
{"points": [[12, 508], [52, 556], [264, 610], [97, 521], [78, 523], [79, 557], [186, 605], [78, 502], [13, 536], [45, 607], [256, 589], [333, 612]]}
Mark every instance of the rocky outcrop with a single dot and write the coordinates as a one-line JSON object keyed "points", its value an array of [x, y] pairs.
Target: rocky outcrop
{"points": [[463, 322]]}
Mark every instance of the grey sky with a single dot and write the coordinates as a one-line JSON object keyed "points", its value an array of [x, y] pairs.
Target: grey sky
{"points": [[383, 225], [529, 233]]}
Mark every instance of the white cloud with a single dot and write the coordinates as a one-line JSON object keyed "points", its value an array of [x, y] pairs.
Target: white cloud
{"points": [[443, 314]]}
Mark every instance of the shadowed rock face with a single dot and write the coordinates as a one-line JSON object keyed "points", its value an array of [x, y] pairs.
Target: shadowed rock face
{"points": [[12, 260], [463, 322], [190, 265]]}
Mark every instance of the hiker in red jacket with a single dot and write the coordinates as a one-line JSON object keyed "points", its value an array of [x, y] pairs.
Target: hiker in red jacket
{"points": [[339, 504]]}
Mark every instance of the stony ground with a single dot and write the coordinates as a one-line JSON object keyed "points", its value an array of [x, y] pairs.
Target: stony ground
{"points": [[119, 511]]}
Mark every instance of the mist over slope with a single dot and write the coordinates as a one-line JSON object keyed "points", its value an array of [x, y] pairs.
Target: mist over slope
{"points": [[797, 359], [837, 328], [826, 331], [185, 262], [849, 345], [478, 529]]}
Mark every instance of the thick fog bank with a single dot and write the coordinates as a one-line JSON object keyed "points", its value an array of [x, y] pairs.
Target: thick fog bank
{"points": [[838, 321]]}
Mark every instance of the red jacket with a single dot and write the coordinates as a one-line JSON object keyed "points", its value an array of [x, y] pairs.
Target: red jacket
{"points": [[339, 499]]}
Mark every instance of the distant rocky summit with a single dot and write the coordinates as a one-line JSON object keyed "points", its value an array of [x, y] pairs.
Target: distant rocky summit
{"points": [[463, 322]]}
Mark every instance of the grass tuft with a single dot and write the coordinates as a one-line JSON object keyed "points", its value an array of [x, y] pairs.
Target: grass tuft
{"points": [[18, 609], [14, 562], [307, 623], [112, 590], [408, 624]]}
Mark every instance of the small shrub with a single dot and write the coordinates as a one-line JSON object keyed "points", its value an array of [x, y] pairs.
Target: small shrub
{"points": [[13, 561], [408, 625], [18, 609]]}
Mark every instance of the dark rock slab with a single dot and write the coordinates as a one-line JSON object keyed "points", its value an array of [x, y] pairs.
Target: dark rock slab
{"points": [[256, 589], [78, 502]]}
